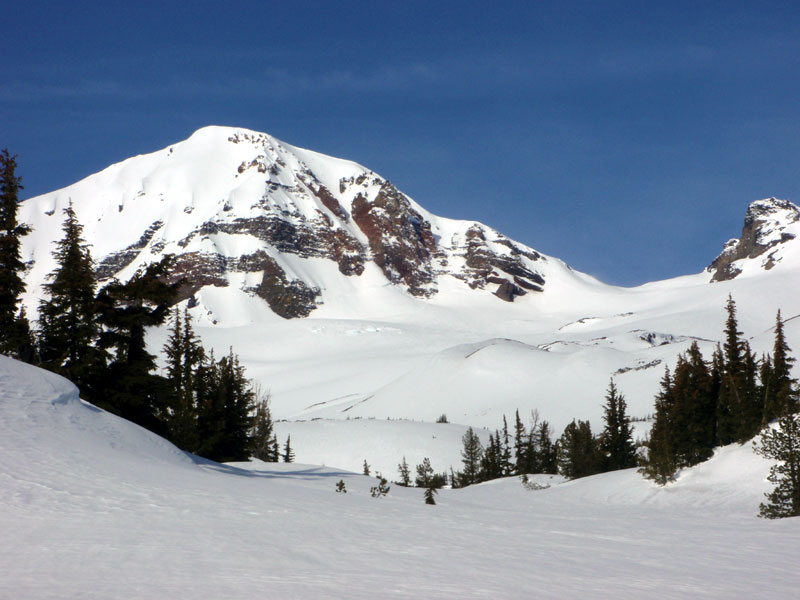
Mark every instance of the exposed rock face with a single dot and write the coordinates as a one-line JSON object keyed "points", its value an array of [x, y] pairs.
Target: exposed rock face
{"points": [[486, 265], [400, 239], [762, 233]]}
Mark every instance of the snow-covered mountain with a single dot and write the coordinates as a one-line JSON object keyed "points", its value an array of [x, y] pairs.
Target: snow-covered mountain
{"points": [[298, 229], [347, 300]]}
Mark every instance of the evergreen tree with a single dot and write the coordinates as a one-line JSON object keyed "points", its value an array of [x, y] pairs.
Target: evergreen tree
{"points": [[13, 324], [547, 453], [507, 466], [366, 468], [381, 489], [492, 463], [783, 445], [424, 478], [616, 441], [751, 410], [68, 329], [578, 452], [129, 386], [520, 446], [405, 473], [693, 418], [730, 401], [184, 354], [780, 397], [263, 430], [225, 406], [660, 464], [471, 456], [288, 453]]}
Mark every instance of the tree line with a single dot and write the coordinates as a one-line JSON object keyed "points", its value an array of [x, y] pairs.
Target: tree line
{"points": [[96, 339]]}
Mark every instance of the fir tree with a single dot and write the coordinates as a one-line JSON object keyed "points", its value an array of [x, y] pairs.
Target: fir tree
{"points": [[751, 410], [184, 354], [492, 463], [129, 386], [365, 468], [520, 447], [68, 329], [424, 476], [381, 489], [547, 453], [783, 445], [405, 473], [507, 466], [288, 453], [263, 430], [13, 325], [693, 417], [471, 456], [225, 405], [617, 437], [660, 464], [429, 494], [730, 401], [779, 396], [578, 452]]}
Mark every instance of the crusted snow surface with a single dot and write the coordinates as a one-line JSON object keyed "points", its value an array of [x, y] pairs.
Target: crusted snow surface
{"points": [[94, 507]]}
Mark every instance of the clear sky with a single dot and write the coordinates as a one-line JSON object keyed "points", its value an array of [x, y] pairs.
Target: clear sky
{"points": [[626, 138]]}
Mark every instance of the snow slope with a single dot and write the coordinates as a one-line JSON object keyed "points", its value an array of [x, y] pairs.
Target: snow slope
{"points": [[95, 507]]}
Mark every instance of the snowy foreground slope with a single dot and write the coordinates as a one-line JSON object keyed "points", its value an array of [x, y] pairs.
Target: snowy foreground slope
{"points": [[95, 507]]}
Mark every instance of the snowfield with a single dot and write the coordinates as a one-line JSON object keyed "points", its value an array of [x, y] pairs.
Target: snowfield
{"points": [[95, 507]]}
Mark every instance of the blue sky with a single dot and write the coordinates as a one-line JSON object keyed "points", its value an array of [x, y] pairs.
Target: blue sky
{"points": [[626, 138]]}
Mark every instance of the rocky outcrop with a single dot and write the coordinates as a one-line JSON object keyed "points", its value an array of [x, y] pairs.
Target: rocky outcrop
{"points": [[400, 239], [485, 265], [763, 230], [287, 298], [113, 263]]}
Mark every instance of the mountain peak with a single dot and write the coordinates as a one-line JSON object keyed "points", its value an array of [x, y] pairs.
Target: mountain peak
{"points": [[768, 224], [241, 209]]}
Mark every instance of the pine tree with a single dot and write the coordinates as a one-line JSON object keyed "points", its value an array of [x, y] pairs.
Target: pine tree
{"points": [[520, 435], [13, 325], [693, 416], [751, 411], [263, 430], [288, 453], [471, 456], [617, 437], [381, 489], [366, 468], [507, 466], [547, 452], [68, 329], [578, 452], [492, 463], [783, 445], [184, 354], [424, 478], [129, 386], [780, 397], [405, 473], [730, 401], [660, 464], [225, 405]]}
